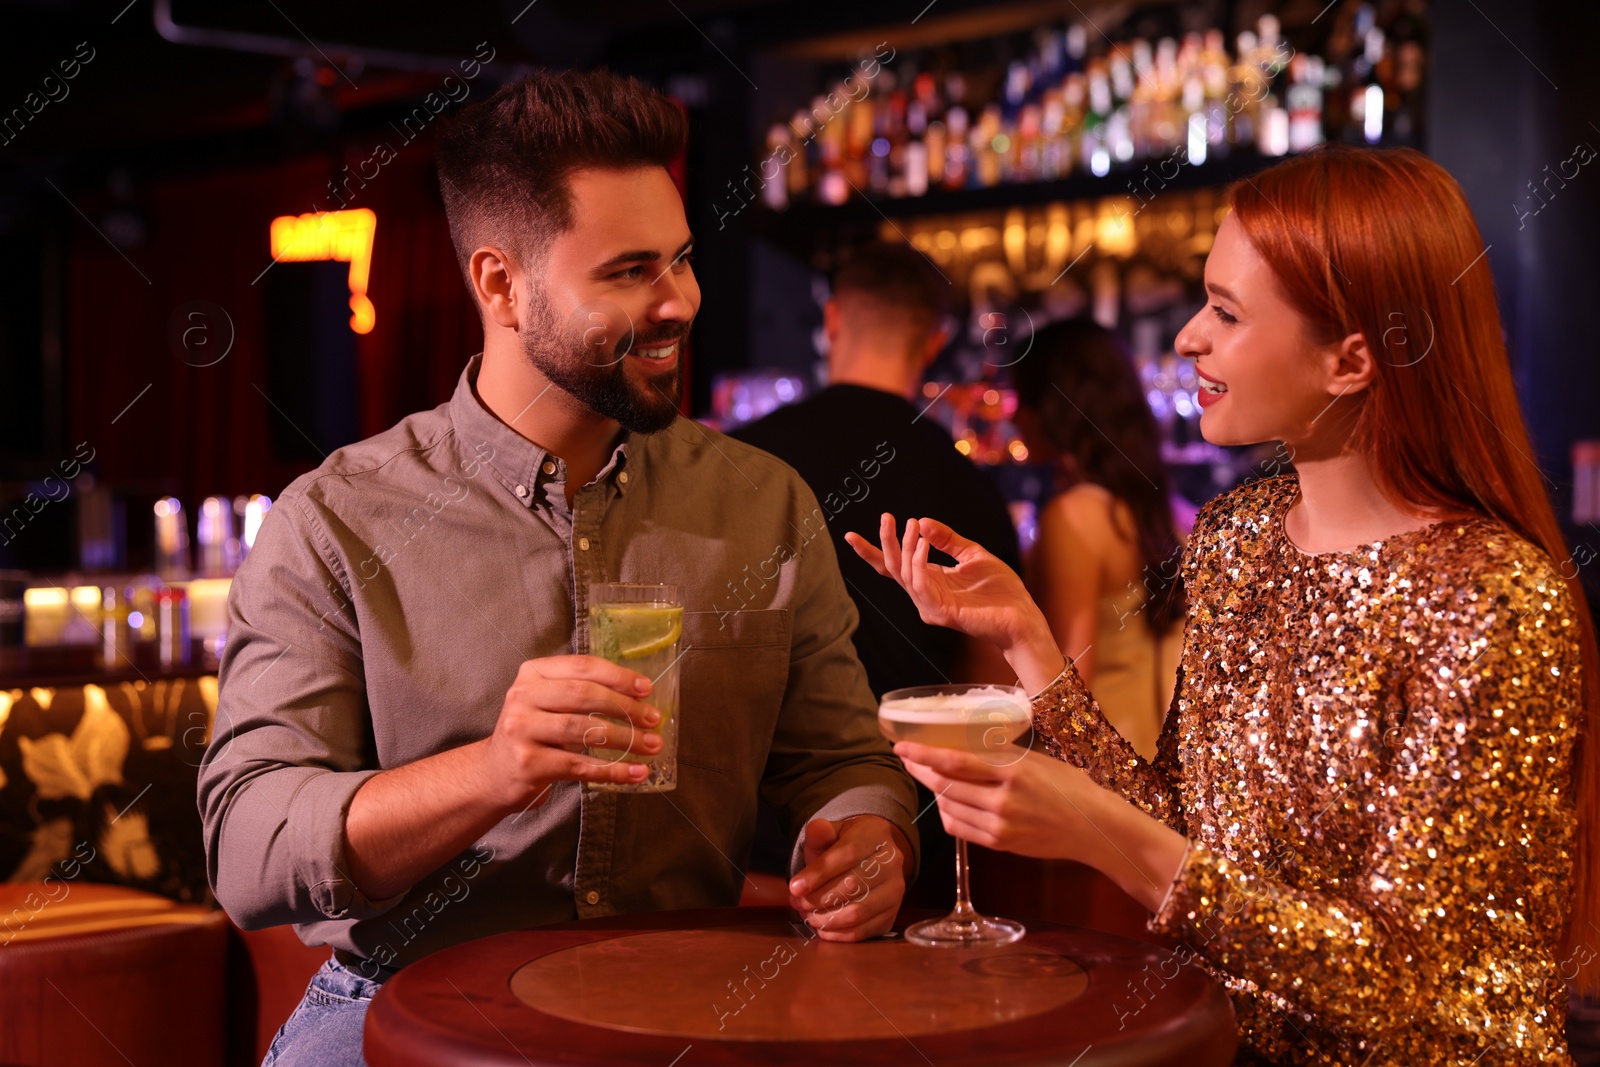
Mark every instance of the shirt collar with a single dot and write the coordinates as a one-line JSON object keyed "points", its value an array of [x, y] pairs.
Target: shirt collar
{"points": [[520, 465]]}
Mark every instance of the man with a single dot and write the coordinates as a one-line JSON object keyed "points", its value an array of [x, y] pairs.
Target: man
{"points": [[397, 759], [864, 447]]}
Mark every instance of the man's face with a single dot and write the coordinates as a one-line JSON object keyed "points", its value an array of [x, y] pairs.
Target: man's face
{"points": [[615, 296]]}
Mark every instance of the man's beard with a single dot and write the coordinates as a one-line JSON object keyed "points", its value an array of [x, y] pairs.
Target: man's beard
{"points": [[596, 375]]}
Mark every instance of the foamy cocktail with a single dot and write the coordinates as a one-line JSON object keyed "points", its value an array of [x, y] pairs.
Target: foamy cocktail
{"points": [[982, 720]]}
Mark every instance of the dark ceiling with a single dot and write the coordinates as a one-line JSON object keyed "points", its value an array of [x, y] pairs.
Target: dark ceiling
{"points": [[140, 89], [145, 104]]}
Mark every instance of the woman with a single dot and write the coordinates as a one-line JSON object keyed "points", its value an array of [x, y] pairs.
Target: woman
{"points": [[1373, 809], [1105, 566]]}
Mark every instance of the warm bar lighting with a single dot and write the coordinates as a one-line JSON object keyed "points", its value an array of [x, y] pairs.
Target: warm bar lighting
{"points": [[344, 236]]}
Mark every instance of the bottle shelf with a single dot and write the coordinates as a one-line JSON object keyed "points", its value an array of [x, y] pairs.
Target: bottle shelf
{"points": [[803, 224]]}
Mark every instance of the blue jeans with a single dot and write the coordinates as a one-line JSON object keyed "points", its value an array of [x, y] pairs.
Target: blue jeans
{"points": [[325, 1028]]}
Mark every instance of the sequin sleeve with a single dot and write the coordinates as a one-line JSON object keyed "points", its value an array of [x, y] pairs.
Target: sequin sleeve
{"points": [[1438, 946], [1069, 723]]}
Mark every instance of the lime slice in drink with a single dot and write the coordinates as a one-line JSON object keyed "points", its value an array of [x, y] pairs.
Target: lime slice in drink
{"points": [[627, 631]]}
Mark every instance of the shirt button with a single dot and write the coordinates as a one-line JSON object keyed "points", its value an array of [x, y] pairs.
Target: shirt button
{"points": [[522, 491], [593, 897], [583, 544], [623, 477], [548, 468]]}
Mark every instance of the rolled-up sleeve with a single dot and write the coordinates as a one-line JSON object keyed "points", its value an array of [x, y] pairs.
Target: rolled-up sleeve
{"points": [[292, 738], [828, 760]]}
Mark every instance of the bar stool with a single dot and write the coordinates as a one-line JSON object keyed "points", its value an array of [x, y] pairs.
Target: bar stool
{"points": [[97, 974]]}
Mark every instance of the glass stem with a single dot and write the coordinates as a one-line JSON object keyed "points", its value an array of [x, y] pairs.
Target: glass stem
{"points": [[963, 908]]}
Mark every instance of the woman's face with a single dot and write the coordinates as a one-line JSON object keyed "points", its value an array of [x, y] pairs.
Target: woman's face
{"points": [[1261, 378]]}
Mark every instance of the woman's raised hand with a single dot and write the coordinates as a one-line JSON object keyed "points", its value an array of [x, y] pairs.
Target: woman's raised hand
{"points": [[980, 595]]}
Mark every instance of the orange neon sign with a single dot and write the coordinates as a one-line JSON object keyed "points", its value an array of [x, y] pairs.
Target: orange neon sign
{"points": [[343, 236]]}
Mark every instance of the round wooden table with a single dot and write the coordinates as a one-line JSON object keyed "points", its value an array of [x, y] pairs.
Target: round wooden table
{"points": [[748, 985]]}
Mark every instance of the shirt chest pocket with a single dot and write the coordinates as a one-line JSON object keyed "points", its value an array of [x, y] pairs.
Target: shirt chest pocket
{"points": [[733, 675]]}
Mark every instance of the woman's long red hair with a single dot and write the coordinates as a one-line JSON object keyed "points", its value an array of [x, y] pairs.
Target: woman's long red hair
{"points": [[1382, 243]]}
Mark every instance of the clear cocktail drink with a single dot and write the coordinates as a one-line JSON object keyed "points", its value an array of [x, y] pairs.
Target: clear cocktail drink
{"points": [[638, 627]]}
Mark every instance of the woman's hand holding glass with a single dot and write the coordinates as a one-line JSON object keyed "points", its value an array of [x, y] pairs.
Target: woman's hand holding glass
{"points": [[1038, 806], [979, 596], [1031, 805]]}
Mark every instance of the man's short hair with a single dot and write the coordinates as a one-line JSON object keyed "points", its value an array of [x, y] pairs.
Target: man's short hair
{"points": [[504, 163], [894, 274]]}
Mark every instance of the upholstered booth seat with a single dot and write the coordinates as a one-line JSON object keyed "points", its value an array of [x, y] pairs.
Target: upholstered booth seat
{"points": [[96, 974]]}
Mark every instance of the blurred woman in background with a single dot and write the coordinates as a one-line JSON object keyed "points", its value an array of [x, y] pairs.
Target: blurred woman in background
{"points": [[1105, 566]]}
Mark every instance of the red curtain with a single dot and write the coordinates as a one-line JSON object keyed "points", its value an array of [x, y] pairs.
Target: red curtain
{"points": [[156, 420]]}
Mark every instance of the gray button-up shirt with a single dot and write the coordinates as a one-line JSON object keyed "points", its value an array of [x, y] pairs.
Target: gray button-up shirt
{"points": [[382, 614]]}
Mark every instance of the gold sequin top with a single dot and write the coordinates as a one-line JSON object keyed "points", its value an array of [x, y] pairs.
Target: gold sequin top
{"points": [[1369, 751]]}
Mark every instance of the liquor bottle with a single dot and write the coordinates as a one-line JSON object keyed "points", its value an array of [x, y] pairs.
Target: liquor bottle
{"points": [[1272, 56], [858, 125], [1143, 57], [1075, 111], [955, 90], [886, 162], [1119, 121], [1304, 98], [1247, 90], [938, 144], [1168, 122], [1055, 142], [958, 158], [1272, 127], [1214, 76], [914, 163], [1359, 76], [1143, 104], [1407, 38], [1049, 64], [775, 191], [915, 180], [116, 635], [1189, 99], [1019, 82], [800, 169], [1094, 145], [1272, 130], [1127, 64], [1367, 97], [829, 134], [1197, 116], [1029, 144], [1076, 43], [986, 142], [833, 187], [926, 90], [1119, 135]]}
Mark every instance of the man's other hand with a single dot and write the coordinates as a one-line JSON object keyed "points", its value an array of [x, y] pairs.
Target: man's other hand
{"points": [[854, 878]]}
